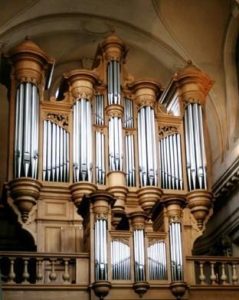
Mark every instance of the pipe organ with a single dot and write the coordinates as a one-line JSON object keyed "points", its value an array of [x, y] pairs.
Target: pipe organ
{"points": [[131, 155]]}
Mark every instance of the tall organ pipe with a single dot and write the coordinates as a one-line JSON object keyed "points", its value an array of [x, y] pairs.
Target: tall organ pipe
{"points": [[147, 147], [82, 140], [101, 266], [195, 147], [26, 130]]}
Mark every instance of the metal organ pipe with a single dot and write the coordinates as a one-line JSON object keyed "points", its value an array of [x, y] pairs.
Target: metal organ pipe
{"points": [[129, 143], [120, 260], [171, 161], [113, 82], [82, 141], [55, 152], [195, 147], [157, 261], [101, 268], [175, 239], [147, 146], [115, 143], [139, 256], [26, 130]]}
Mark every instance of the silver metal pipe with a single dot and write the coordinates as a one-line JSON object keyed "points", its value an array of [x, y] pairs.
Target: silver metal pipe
{"points": [[155, 167], [34, 149], [118, 81], [20, 130], [140, 150], [170, 143], [120, 144], [198, 152], [67, 156], [188, 153], [53, 152], [143, 149], [89, 141], [57, 161], [176, 161], [27, 128], [48, 150], [169, 172], [149, 145], [103, 157], [204, 158], [17, 117], [44, 167], [192, 146]]}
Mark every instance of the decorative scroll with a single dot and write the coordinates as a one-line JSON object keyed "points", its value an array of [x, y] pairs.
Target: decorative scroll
{"points": [[120, 260], [61, 120], [26, 131]]}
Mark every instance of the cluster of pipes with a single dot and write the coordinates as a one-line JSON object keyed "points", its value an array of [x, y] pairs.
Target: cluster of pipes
{"points": [[171, 162], [147, 147], [129, 143], [157, 264], [82, 141], [101, 265], [195, 147], [26, 130], [121, 147], [120, 255], [56, 152], [120, 260], [100, 140], [176, 258]]}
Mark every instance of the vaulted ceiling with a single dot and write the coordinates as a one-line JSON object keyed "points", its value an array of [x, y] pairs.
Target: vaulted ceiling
{"points": [[161, 36]]}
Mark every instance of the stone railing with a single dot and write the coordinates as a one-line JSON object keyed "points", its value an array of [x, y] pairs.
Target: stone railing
{"points": [[44, 268], [214, 270]]}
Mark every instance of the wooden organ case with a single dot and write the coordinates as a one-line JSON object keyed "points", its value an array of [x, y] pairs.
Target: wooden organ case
{"points": [[115, 167]]}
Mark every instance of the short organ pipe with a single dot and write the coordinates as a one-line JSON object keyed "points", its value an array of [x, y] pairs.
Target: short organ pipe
{"points": [[55, 152]]}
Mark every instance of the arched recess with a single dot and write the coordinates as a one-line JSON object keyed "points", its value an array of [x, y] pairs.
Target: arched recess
{"points": [[231, 79]]}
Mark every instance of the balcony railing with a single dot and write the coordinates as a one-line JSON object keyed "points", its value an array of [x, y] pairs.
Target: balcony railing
{"points": [[214, 270], [44, 268]]}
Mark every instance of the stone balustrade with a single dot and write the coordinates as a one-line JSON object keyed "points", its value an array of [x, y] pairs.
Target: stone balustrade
{"points": [[215, 270], [43, 268]]}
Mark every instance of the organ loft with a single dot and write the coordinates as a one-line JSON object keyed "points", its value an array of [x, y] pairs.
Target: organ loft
{"points": [[110, 179]]}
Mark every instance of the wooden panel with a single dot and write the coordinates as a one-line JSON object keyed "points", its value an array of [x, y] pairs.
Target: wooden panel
{"points": [[53, 239]]}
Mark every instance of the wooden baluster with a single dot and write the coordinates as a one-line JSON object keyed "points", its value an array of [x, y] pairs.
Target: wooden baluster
{"points": [[39, 276], [202, 277], [25, 274], [213, 276], [234, 274], [224, 275], [52, 275], [12, 274], [66, 275]]}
